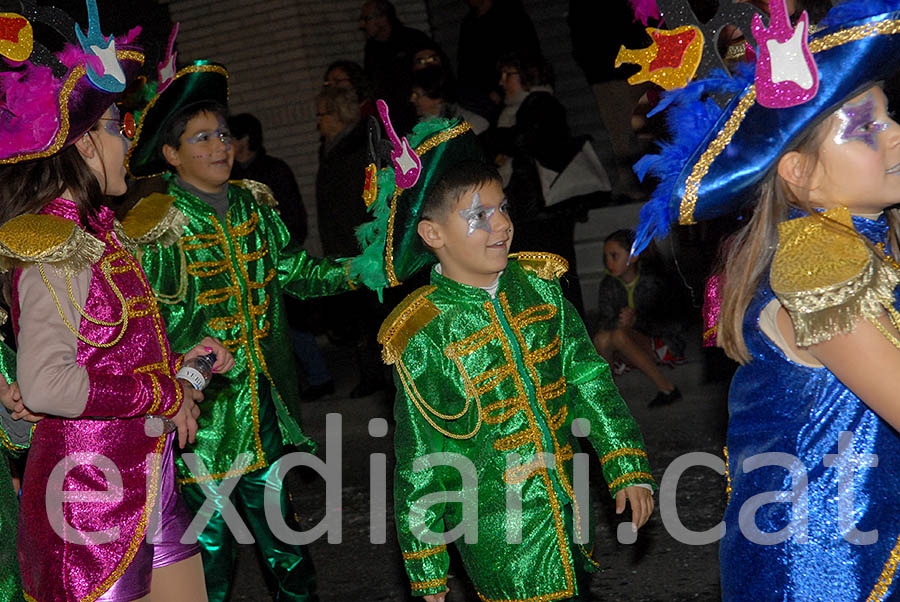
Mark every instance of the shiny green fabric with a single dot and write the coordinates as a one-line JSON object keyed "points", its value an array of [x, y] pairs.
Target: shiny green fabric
{"points": [[288, 568], [10, 584], [230, 287], [530, 358]]}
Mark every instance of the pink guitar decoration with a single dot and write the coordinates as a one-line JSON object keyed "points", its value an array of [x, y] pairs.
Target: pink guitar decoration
{"points": [[166, 67], [786, 73], [407, 165]]}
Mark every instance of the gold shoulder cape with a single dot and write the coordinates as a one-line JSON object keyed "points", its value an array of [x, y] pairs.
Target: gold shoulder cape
{"points": [[262, 194], [408, 318], [47, 239], [546, 265], [827, 277], [154, 219]]}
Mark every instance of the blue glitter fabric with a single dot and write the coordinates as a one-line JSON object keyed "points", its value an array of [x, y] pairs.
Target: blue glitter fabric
{"points": [[779, 406]]}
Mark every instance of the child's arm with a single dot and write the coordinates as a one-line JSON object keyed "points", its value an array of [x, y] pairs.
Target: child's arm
{"points": [[613, 432], [300, 274]]}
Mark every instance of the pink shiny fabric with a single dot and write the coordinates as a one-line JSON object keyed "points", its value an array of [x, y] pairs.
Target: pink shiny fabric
{"points": [[712, 304], [129, 379], [162, 545]]}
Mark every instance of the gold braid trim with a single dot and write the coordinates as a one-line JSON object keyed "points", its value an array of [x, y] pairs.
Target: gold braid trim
{"points": [[427, 411], [154, 219], [887, 575], [548, 266], [408, 318], [631, 476], [625, 451], [424, 553], [416, 585], [262, 194], [827, 278], [48, 239]]}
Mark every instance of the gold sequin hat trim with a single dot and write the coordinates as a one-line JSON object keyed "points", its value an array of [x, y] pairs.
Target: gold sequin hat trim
{"points": [[80, 105], [203, 81]]}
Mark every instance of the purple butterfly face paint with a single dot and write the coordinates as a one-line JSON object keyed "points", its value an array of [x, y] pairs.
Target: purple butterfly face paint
{"points": [[478, 216], [858, 123]]}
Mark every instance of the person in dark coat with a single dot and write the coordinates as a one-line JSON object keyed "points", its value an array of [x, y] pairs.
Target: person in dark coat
{"points": [[343, 156], [251, 162], [390, 46]]}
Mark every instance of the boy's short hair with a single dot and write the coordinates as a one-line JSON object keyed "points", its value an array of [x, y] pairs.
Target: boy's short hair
{"points": [[177, 124], [463, 176]]}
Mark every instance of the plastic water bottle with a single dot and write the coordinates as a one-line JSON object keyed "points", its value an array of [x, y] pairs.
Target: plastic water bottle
{"points": [[198, 370]]}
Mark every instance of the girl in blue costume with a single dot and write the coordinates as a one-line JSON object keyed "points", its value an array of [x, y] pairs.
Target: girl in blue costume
{"points": [[809, 303]]}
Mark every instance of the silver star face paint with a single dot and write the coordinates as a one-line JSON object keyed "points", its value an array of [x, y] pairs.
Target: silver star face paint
{"points": [[858, 123], [477, 215]]}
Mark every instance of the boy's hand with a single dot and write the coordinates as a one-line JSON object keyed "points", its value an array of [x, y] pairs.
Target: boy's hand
{"points": [[437, 597], [641, 500], [207, 345]]}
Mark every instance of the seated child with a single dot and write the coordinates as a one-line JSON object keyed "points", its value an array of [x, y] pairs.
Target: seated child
{"points": [[632, 322], [493, 365]]}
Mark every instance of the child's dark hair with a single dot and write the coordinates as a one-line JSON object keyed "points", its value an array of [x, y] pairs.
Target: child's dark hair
{"points": [[463, 176], [175, 126], [624, 237]]}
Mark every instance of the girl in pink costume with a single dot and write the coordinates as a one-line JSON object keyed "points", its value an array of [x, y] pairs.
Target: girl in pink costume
{"points": [[100, 518]]}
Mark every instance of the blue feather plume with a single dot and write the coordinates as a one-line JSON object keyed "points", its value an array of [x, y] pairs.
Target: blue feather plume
{"points": [[691, 113], [853, 10]]}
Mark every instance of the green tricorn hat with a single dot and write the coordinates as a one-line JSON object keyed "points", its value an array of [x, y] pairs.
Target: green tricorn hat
{"points": [[391, 248], [202, 81]]}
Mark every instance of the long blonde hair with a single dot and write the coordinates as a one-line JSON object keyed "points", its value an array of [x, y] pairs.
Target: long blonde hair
{"points": [[753, 247]]}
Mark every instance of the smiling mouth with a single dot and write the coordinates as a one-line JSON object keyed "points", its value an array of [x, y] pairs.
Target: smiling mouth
{"points": [[499, 244], [895, 170]]}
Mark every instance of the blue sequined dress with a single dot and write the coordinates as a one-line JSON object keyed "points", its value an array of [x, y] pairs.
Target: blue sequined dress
{"points": [[797, 415]]}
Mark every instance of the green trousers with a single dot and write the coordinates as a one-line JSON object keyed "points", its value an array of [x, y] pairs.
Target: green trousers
{"points": [[288, 568], [10, 586]]}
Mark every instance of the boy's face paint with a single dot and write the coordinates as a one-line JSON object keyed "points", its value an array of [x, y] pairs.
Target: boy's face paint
{"points": [[476, 236], [206, 153], [858, 122], [478, 217], [857, 163]]}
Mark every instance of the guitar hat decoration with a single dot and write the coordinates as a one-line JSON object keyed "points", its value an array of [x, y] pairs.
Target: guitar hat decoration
{"points": [[47, 100], [395, 194], [727, 130]]}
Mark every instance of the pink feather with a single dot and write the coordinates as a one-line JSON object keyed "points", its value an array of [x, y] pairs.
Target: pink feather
{"points": [[644, 10], [129, 37]]}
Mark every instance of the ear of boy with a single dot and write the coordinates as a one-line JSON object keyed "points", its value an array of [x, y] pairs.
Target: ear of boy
{"points": [[171, 156], [430, 232]]}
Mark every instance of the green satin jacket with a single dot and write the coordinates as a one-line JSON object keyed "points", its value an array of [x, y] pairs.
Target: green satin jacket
{"points": [[485, 378], [15, 437], [225, 278]]}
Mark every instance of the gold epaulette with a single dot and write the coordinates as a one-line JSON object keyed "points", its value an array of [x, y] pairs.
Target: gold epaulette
{"points": [[262, 194], [48, 239], [827, 277], [408, 318], [153, 219], [546, 265]]}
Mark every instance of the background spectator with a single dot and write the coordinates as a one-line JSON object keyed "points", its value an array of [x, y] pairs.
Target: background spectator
{"points": [[354, 317], [390, 46], [350, 76], [251, 162], [431, 96], [491, 29]]}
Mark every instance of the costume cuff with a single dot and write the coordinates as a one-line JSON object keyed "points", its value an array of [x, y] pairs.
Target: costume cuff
{"points": [[427, 569], [626, 466]]}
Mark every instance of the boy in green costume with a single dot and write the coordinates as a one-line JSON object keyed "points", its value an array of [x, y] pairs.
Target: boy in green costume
{"points": [[493, 367], [218, 257]]}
